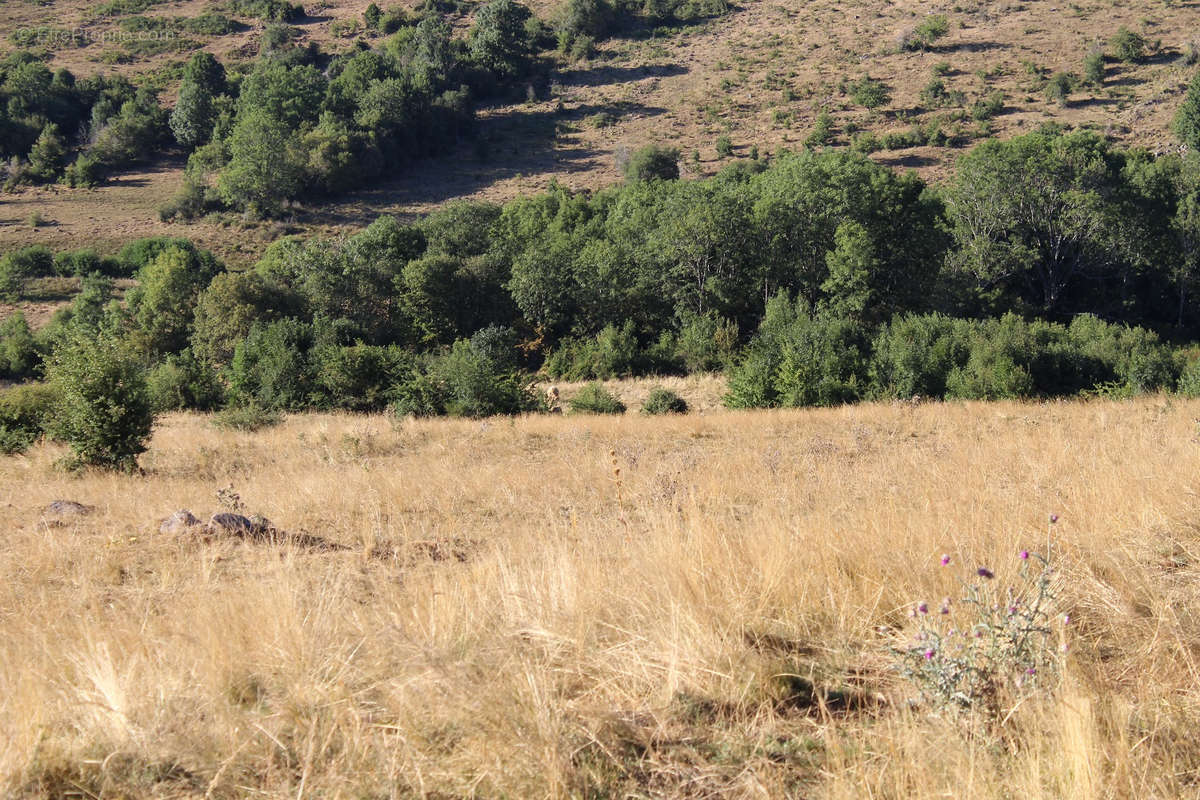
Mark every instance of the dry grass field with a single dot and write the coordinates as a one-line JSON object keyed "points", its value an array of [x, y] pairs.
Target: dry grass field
{"points": [[699, 606], [760, 75]]}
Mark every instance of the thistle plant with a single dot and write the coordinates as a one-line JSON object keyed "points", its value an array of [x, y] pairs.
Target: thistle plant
{"points": [[999, 635]]}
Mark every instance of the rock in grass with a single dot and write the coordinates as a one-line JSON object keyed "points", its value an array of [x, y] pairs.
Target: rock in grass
{"points": [[178, 522], [260, 529], [68, 508], [239, 525]]}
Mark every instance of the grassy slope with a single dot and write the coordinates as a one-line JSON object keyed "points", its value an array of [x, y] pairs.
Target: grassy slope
{"points": [[686, 88], [631, 597]]}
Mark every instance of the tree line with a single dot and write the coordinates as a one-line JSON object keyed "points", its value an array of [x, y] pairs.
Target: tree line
{"points": [[1052, 264]]}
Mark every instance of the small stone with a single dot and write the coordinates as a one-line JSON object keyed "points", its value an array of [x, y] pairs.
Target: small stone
{"points": [[178, 522], [69, 508]]}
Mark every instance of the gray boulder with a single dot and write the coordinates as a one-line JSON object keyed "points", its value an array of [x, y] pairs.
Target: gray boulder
{"points": [[178, 522], [239, 525], [68, 508]]}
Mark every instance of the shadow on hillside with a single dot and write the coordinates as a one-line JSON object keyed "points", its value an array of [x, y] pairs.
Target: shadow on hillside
{"points": [[911, 161], [618, 110], [602, 76], [1165, 55], [139, 175], [507, 145], [969, 47], [1092, 102], [1126, 80]]}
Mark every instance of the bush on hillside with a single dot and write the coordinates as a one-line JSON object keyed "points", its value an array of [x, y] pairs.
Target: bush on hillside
{"points": [[247, 418], [181, 382], [466, 381], [664, 401], [593, 398], [103, 408], [19, 356], [653, 162], [273, 367], [24, 411]]}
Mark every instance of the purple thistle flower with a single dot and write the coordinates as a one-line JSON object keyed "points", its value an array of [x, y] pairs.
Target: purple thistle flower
{"points": [[1031, 671], [1024, 555], [1053, 518], [929, 654], [923, 607], [1012, 610], [1066, 619], [984, 572], [945, 559]]}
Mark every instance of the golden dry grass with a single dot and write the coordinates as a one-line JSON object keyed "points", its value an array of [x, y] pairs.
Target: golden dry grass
{"points": [[598, 607]]}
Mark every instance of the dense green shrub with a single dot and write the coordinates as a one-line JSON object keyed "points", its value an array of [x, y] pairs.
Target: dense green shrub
{"points": [[227, 309], [823, 362], [653, 162], [24, 412], [870, 92], [362, 377], [83, 262], [1189, 378], [474, 385], [914, 355], [1128, 46], [612, 353], [997, 367], [103, 408], [822, 132], [1059, 87], [1105, 352], [801, 359], [465, 381], [48, 155], [664, 401], [182, 382], [987, 107], [798, 359], [1187, 118], [664, 11], [593, 398], [273, 366], [1093, 67], [18, 266], [247, 418], [927, 33], [583, 18], [268, 10], [132, 135], [706, 342], [499, 41], [163, 303], [19, 355], [137, 253]]}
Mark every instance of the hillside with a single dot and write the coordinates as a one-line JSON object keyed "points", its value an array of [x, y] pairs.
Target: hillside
{"points": [[760, 75], [696, 607]]}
